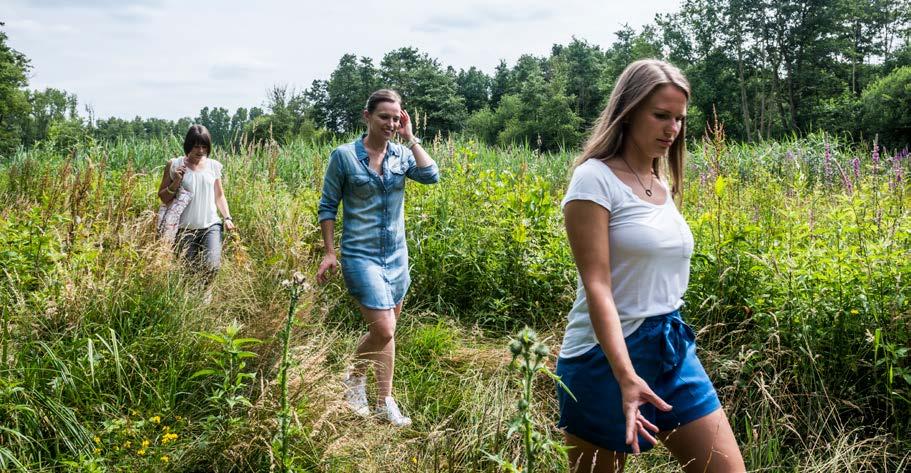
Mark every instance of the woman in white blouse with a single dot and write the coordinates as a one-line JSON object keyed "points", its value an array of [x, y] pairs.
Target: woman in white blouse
{"points": [[199, 235]]}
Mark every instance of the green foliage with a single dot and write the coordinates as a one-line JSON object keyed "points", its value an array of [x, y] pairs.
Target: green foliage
{"points": [[288, 119], [339, 102], [580, 66], [228, 364], [14, 106], [490, 244], [474, 87], [429, 92], [799, 281], [887, 107], [538, 115], [50, 108], [30, 252]]}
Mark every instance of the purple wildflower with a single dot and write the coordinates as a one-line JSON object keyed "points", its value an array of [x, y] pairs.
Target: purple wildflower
{"points": [[897, 173], [849, 186], [827, 162], [855, 163], [875, 153]]}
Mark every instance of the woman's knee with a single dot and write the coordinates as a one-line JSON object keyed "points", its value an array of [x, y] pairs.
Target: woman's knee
{"points": [[382, 330], [212, 262]]}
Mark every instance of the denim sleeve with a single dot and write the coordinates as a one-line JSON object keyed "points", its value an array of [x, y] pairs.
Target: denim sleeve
{"points": [[425, 175], [332, 188]]}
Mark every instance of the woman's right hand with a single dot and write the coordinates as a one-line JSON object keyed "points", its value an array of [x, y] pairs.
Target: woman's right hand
{"points": [[178, 175], [329, 263], [635, 392]]}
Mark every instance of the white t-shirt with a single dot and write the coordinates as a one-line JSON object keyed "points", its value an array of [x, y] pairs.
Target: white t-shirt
{"points": [[650, 250], [201, 212]]}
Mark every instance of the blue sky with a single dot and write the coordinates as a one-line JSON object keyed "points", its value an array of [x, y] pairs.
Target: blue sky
{"points": [[169, 59]]}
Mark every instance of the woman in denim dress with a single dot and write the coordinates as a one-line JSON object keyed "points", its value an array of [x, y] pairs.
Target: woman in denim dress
{"points": [[368, 177]]}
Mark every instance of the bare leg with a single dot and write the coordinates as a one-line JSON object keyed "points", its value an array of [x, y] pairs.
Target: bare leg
{"points": [[377, 346], [585, 457], [705, 445]]}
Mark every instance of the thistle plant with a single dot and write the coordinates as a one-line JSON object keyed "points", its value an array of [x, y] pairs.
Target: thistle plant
{"points": [[528, 357], [295, 286]]}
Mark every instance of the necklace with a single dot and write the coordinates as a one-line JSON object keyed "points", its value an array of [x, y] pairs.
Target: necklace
{"points": [[648, 190]]}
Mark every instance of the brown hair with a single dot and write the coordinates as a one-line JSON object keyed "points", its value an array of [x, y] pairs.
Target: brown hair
{"points": [[197, 135], [382, 95], [637, 82]]}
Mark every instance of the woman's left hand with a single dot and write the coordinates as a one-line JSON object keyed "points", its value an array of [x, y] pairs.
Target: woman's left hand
{"points": [[405, 126], [229, 225]]}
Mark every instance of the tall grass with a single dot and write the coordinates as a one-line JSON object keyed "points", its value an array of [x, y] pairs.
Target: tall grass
{"points": [[799, 288]]}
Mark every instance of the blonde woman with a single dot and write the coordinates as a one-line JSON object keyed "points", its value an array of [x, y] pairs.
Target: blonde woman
{"points": [[627, 355], [368, 177]]}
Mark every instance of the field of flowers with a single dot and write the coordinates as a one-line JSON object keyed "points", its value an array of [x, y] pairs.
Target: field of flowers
{"points": [[111, 361]]}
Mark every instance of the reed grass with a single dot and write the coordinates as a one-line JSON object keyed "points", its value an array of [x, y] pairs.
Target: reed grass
{"points": [[799, 289]]}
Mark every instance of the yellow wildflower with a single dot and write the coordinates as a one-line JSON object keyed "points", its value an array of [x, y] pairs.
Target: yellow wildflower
{"points": [[855, 311], [145, 443], [96, 439], [155, 419], [97, 450], [141, 451], [166, 428], [165, 459], [127, 444], [168, 438]]}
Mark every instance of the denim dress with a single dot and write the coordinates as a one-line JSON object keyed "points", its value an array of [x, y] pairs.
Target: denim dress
{"points": [[374, 253]]}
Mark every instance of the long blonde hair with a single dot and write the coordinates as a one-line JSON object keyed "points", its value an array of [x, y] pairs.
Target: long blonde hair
{"points": [[634, 85]]}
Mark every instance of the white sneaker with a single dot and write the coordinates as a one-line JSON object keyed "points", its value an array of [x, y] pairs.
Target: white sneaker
{"points": [[207, 296], [389, 410], [356, 394]]}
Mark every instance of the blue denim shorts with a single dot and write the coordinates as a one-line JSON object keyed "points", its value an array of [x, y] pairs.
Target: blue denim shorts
{"points": [[663, 353]]}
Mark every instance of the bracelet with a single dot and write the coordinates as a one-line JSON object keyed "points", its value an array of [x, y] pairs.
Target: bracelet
{"points": [[413, 141], [227, 218]]}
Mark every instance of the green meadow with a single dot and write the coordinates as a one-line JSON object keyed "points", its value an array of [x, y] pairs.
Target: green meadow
{"points": [[800, 292]]}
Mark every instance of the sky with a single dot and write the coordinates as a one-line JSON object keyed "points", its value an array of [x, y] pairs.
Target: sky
{"points": [[169, 59]]}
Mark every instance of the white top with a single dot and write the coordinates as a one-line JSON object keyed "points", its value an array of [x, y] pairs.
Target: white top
{"points": [[201, 212], [650, 250]]}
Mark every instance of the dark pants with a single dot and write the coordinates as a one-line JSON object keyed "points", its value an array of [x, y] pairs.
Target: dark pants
{"points": [[201, 249]]}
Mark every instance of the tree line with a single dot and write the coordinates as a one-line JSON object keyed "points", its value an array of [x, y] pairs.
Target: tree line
{"points": [[765, 69]]}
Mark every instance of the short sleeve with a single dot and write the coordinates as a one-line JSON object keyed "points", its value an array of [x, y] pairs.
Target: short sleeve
{"points": [[173, 164], [591, 182], [216, 169]]}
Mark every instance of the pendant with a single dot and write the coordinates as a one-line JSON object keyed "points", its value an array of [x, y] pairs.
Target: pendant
{"points": [[648, 192]]}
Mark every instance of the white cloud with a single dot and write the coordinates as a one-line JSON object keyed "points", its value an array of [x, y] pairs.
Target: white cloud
{"points": [[169, 59], [32, 27]]}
